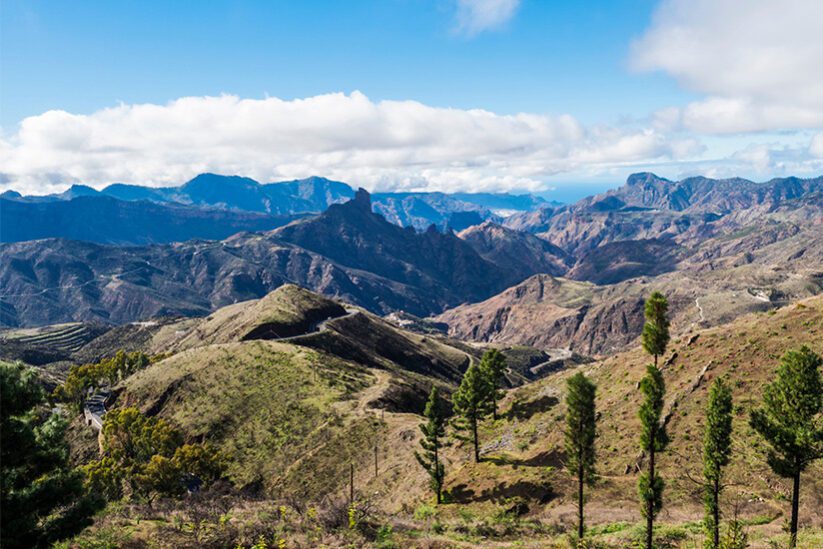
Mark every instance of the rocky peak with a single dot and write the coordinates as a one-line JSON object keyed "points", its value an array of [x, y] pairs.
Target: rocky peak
{"points": [[362, 199], [642, 178]]}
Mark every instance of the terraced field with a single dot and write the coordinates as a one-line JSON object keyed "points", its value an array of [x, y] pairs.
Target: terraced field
{"points": [[67, 338]]}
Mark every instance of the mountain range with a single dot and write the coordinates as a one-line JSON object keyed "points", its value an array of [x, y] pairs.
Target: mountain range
{"points": [[569, 276], [348, 251], [214, 206]]}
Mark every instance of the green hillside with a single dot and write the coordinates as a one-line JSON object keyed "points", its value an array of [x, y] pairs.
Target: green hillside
{"points": [[293, 416]]}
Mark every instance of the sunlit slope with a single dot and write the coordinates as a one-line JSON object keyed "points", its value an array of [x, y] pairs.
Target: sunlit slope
{"points": [[525, 449]]}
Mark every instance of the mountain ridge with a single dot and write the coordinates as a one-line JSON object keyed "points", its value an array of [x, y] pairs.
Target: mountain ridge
{"points": [[347, 252], [311, 195]]}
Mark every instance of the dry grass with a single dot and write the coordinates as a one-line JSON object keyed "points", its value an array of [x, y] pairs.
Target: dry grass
{"points": [[746, 352]]}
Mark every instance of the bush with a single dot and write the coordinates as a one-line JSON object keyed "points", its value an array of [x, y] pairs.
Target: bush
{"points": [[425, 512]]}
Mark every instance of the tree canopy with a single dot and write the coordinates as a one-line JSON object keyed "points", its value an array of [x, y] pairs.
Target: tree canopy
{"points": [[655, 335], [434, 431], [790, 421], [493, 365], [472, 403], [43, 499]]}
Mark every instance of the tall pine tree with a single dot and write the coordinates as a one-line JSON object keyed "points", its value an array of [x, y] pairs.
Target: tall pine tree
{"points": [[472, 403], [717, 445], [655, 334], [42, 500], [790, 420], [493, 364], [434, 430], [653, 439], [580, 436]]}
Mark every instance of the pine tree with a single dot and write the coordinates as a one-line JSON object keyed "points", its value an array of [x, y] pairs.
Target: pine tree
{"points": [[653, 439], [790, 420], [472, 403], [42, 500], [655, 334], [580, 436], [493, 364], [717, 442], [434, 430]]}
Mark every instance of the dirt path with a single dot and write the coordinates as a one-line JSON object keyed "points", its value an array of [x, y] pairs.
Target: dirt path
{"points": [[559, 356], [373, 391], [700, 309]]}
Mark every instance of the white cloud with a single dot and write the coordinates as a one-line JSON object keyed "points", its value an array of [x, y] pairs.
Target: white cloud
{"points": [[380, 145], [757, 61], [475, 16], [816, 146], [758, 161]]}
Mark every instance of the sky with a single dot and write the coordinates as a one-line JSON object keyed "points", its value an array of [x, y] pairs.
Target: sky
{"points": [[469, 95]]}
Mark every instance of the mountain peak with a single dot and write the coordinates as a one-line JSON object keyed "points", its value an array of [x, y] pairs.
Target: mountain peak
{"points": [[11, 195], [212, 181], [644, 178], [362, 199], [78, 189]]}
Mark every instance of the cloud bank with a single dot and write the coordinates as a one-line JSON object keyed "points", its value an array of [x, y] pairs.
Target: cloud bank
{"points": [[759, 62], [756, 65], [380, 145]]}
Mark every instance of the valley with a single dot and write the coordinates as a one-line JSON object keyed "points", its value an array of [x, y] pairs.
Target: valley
{"points": [[304, 356], [350, 393]]}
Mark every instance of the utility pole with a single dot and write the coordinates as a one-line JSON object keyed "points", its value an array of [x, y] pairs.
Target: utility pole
{"points": [[351, 483]]}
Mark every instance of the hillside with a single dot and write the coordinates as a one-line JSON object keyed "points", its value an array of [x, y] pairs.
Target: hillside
{"points": [[521, 252], [774, 260], [321, 361], [745, 351], [316, 411], [254, 400], [351, 235]]}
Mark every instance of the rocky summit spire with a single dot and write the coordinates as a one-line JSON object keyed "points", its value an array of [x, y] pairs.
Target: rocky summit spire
{"points": [[362, 199]]}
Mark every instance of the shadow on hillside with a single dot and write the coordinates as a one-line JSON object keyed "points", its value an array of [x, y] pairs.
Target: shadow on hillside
{"points": [[524, 410], [502, 492], [550, 458]]}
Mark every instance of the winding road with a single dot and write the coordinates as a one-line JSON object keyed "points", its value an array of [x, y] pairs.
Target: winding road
{"points": [[700, 309], [318, 327]]}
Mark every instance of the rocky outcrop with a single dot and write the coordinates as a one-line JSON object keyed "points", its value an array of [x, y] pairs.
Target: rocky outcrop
{"points": [[547, 312], [348, 252], [522, 253]]}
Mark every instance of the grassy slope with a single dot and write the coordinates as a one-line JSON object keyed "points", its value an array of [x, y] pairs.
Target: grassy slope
{"points": [[287, 310], [293, 418], [525, 455], [264, 403]]}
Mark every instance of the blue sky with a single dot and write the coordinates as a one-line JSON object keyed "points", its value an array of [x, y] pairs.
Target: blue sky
{"points": [[556, 57], [534, 57]]}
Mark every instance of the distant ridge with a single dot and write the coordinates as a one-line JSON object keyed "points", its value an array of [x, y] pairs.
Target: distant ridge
{"points": [[347, 252], [234, 194]]}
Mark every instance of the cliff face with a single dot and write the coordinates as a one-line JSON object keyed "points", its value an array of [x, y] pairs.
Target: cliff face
{"points": [[547, 312], [650, 207]]}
